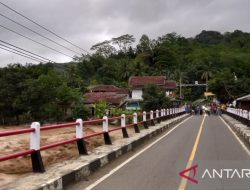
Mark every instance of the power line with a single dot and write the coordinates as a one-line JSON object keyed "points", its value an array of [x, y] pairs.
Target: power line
{"points": [[20, 54], [20, 14], [35, 41], [13, 49], [26, 51], [38, 33]]}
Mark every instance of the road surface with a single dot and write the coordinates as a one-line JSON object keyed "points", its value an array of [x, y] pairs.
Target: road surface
{"points": [[198, 140]]}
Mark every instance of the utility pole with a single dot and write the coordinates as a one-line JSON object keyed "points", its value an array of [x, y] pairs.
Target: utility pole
{"points": [[206, 83], [180, 88], [206, 86], [180, 85]]}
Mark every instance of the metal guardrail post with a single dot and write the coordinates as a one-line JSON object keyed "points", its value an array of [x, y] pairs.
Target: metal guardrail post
{"points": [[152, 118], [238, 114], [144, 119], [105, 126], [162, 114], [123, 125], [248, 124], [80, 142], [36, 158], [135, 122], [157, 116], [168, 113]]}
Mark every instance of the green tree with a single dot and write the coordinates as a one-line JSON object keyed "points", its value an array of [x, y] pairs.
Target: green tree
{"points": [[154, 98], [145, 53], [209, 37], [13, 83], [208, 70], [124, 71], [49, 98], [73, 78], [104, 48], [123, 42], [144, 44], [101, 108]]}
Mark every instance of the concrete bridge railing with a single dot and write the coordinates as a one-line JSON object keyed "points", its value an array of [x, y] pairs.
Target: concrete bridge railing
{"points": [[239, 114]]}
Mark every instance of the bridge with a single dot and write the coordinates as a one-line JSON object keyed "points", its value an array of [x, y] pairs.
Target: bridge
{"points": [[173, 159]]}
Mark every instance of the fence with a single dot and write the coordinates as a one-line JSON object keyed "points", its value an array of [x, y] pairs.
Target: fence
{"points": [[146, 119], [240, 115]]}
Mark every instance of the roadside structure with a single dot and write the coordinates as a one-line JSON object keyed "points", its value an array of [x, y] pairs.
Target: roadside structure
{"points": [[114, 96], [243, 102], [138, 83]]}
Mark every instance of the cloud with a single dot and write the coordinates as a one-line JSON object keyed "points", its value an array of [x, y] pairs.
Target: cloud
{"points": [[86, 22]]}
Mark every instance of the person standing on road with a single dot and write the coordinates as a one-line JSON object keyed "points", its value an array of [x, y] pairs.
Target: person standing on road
{"points": [[218, 111], [207, 109]]}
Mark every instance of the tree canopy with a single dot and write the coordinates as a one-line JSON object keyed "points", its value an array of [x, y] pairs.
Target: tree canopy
{"points": [[154, 98]]}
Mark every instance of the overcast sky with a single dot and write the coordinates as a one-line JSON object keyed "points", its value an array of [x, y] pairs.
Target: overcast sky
{"points": [[86, 22]]}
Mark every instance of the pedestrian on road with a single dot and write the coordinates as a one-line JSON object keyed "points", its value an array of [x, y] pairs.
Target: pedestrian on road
{"points": [[218, 111]]}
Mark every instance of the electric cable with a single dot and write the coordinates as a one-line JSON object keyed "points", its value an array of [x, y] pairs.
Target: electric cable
{"points": [[34, 22], [27, 51], [20, 54], [13, 49], [6, 28], [38, 33]]}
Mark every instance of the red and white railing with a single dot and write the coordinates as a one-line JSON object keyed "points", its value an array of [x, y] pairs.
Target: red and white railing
{"points": [[35, 130], [239, 112]]}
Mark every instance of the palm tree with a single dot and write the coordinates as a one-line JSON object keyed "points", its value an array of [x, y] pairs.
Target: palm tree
{"points": [[138, 69], [206, 75], [207, 71], [125, 70]]}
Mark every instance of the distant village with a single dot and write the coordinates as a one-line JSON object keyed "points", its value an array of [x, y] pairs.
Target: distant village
{"points": [[128, 98]]}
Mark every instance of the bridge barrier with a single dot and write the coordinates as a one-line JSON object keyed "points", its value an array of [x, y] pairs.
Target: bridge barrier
{"points": [[79, 139], [239, 114]]}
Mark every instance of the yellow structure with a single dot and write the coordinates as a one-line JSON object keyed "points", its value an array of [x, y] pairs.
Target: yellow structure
{"points": [[209, 94]]}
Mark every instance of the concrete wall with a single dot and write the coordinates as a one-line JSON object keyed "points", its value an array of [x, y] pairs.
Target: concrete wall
{"points": [[137, 94], [169, 93]]}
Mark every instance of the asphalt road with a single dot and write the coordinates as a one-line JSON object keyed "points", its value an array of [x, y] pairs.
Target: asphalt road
{"points": [[202, 140]]}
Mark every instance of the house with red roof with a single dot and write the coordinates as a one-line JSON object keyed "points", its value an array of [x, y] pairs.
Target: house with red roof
{"points": [[111, 98], [137, 84], [113, 95], [109, 88]]}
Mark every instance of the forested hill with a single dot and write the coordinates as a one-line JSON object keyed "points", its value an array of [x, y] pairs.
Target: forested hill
{"points": [[41, 91]]}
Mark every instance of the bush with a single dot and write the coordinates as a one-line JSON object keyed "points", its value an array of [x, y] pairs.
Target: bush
{"points": [[101, 108], [154, 98]]}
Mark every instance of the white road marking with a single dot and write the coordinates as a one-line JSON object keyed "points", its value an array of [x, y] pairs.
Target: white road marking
{"points": [[238, 139], [131, 158]]}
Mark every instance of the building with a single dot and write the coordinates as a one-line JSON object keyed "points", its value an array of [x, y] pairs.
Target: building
{"points": [[243, 102], [113, 95], [138, 83], [111, 98], [109, 88]]}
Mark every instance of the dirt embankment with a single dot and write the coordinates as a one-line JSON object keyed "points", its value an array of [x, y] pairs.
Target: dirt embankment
{"points": [[16, 168]]}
